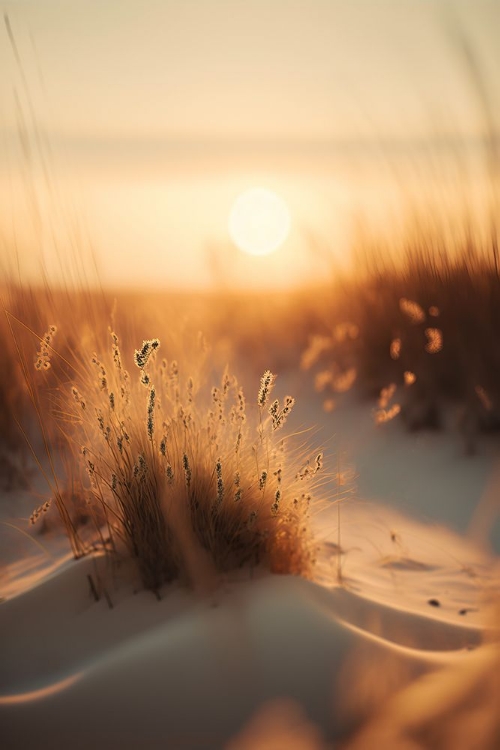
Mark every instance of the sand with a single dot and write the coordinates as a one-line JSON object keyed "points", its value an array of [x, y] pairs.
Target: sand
{"points": [[390, 645]]}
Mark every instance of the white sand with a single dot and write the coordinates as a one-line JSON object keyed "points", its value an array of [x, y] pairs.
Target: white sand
{"points": [[276, 660]]}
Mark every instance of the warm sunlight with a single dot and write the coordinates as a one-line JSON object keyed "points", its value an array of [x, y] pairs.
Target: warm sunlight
{"points": [[259, 221], [250, 374]]}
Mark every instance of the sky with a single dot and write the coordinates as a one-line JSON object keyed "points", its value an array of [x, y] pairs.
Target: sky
{"points": [[154, 115]]}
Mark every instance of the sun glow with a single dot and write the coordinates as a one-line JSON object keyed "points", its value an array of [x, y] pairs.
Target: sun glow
{"points": [[259, 221]]}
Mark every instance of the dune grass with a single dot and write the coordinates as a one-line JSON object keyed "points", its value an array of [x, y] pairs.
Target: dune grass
{"points": [[424, 326], [169, 462], [182, 476]]}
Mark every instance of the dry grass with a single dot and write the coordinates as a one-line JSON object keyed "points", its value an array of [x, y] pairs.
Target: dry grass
{"points": [[180, 473], [172, 472], [181, 476], [427, 324]]}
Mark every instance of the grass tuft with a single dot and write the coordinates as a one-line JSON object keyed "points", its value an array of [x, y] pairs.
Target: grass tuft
{"points": [[190, 471]]}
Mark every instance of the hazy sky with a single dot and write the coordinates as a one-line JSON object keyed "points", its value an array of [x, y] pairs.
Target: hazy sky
{"points": [[134, 91], [250, 68]]}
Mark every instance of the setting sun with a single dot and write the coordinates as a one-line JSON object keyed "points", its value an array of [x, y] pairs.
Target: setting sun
{"points": [[259, 221]]}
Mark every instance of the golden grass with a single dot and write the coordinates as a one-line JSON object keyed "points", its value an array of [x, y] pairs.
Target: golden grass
{"points": [[175, 461], [173, 465], [179, 474]]}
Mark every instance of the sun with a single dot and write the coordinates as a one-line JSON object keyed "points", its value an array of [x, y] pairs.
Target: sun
{"points": [[259, 221]]}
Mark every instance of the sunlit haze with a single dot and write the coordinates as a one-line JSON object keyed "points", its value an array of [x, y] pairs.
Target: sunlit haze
{"points": [[131, 128], [250, 374]]}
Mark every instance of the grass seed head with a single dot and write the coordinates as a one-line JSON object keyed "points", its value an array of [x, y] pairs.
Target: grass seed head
{"points": [[263, 479], [151, 412], [266, 385], [39, 511], [434, 340], [412, 310], [142, 355], [42, 361]]}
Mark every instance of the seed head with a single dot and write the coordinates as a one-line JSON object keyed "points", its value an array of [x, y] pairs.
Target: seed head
{"points": [[78, 397], [220, 483], [434, 340], [42, 361], [163, 446], [169, 473], [412, 310], [189, 390], [151, 412], [262, 480], [39, 511], [187, 470], [275, 506], [142, 355], [266, 385]]}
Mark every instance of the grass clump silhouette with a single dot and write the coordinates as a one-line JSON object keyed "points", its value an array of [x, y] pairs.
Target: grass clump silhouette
{"points": [[422, 315], [184, 475]]}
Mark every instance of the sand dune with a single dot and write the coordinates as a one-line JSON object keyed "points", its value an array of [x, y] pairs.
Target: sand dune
{"points": [[191, 672]]}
